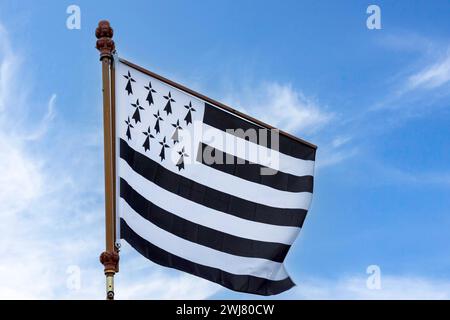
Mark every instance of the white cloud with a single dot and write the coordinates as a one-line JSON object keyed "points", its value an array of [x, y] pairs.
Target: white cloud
{"points": [[340, 141], [20, 178], [160, 285], [331, 156], [283, 107], [420, 85], [291, 111], [432, 76], [336, 151], [8, 65], [26, 265], [409, 42], [388, 174], [419, 88], [46, 121], [354, 288]]}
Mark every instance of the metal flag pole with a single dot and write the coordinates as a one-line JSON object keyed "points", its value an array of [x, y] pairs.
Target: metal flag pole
{"points": [[110, 257]]}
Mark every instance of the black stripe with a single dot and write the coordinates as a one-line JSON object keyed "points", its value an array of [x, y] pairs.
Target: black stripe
{"points": [[197, 233], [250, 171], [241, 283], [223, 120], [207, 196]]}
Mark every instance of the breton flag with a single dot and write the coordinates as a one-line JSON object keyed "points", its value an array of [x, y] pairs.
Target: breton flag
{"points": [[205, 189]]}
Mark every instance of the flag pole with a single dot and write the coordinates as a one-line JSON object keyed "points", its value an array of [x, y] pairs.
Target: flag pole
{"points": [[110, 257]]}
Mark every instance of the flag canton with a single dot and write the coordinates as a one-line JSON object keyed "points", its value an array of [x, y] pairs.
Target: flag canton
{"points": [[157, 119]]}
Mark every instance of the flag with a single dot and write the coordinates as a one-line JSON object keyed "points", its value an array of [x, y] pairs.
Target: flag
{"points": [[205, 189]]}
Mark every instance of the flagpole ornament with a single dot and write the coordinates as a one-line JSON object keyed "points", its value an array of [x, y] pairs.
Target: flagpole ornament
{"points": [[105, 43], [110, 257]]}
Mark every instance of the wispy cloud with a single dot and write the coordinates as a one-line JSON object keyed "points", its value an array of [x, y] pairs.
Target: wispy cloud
{"points": [[45, 123], [389, 174], [337, 150], [354, 288], [292, 111], [329, 156], [24, 190], [21, 180], [422, 84], [283, 107], [8, 67], [408, 41], [432, 76], [153, 283]]}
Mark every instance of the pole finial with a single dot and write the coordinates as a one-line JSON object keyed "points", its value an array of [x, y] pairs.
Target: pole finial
{"points": [[105, 43]]}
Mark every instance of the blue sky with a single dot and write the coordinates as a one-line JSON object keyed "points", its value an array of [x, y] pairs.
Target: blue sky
{"points": [[376, 102]]}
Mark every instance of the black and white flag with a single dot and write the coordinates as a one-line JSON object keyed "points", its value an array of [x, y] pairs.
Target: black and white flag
{"points": [[203, 190]]}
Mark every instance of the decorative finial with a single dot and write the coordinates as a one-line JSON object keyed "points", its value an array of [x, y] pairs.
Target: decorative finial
{"points": [[105, 43]]}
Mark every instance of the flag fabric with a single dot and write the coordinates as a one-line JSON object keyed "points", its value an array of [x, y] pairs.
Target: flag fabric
{"points": [[198, 191]]}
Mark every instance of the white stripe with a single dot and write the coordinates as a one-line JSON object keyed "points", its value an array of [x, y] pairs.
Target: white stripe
{"points": [[261, 155], [200, 254], [205, 216]]}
